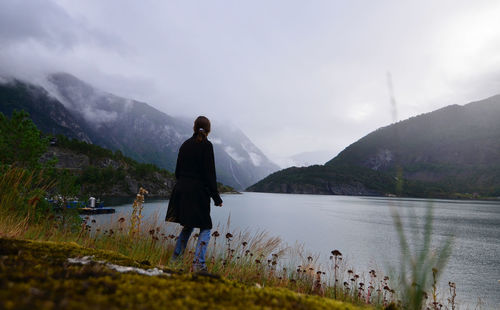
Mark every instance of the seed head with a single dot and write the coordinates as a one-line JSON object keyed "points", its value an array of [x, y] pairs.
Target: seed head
{"points": [[336, 253]]}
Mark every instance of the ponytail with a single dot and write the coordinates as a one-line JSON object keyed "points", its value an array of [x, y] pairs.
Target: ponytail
{"points": [[201, 128], [201, 135]]}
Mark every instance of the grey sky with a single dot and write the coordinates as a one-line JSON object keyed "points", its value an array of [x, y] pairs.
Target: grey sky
{"points": [[295, 76]]}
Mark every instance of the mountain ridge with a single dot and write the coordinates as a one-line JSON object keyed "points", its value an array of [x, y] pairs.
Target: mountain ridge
{"points": [[138, 130], [451, 152]]}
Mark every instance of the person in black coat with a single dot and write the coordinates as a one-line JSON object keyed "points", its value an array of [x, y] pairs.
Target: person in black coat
{"points": [[189, 203]]}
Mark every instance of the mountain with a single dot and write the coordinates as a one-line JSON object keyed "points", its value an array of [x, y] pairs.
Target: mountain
{"points": [[237, 158], [137, 129], [449, 152], [325, 180], [48, 113], [69, 106]]}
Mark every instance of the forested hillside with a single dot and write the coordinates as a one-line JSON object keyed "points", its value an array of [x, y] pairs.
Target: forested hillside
{"points": [[451, 152]]}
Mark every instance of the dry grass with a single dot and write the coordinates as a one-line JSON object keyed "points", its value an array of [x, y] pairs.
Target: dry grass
{"points": [[250, 258]]}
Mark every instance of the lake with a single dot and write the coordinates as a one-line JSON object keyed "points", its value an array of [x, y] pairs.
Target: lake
{"points": [[362, 229]]}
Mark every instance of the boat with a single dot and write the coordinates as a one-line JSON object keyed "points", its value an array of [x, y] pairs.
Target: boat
{"points": [[91, 211], [93, 206]]}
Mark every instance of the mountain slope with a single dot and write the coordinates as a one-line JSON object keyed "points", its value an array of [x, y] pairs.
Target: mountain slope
{"points": [[237, 158], [326, 181], [135, 128], [47, 113], [74, 108], [100, 172], [452, 150]]}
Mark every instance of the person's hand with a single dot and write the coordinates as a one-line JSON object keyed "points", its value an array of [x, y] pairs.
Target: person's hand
{"points": [[219, 205]]}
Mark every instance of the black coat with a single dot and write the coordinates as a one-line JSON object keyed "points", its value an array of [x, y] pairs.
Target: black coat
{"points": [[189, 203]]}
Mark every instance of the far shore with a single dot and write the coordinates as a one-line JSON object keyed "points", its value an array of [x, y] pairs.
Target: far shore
{"points": [[390, 196]]}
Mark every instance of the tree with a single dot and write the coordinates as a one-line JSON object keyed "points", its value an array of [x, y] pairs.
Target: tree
{"points": [[21, 143]]}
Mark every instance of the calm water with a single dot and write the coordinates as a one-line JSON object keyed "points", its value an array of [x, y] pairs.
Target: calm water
{"points": [[362, 229]]}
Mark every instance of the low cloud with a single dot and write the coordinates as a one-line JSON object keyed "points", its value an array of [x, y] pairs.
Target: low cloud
{"points": [[99, 117], [293, 76]]}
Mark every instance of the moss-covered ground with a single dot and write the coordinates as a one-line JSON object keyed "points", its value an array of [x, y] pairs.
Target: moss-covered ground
{"points": [[37, 275]]}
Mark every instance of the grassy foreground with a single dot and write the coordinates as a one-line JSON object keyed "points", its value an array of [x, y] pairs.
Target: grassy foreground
{"points": [[37, 275]]}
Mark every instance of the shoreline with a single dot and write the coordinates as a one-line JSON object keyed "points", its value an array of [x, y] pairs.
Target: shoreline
{"points": [[385, 196]]}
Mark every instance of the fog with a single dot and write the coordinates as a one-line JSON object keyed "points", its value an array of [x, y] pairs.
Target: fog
{"points": [[297, 77]]}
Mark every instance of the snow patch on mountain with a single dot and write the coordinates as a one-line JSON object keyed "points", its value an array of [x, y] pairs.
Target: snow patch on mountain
{"points": [[255, 158], [233, 154]]}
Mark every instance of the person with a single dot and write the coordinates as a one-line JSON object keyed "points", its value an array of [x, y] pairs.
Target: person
{"points": [[189, 203]]}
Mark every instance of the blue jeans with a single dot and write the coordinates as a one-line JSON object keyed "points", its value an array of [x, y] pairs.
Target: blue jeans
{"points": [[201, 247]]}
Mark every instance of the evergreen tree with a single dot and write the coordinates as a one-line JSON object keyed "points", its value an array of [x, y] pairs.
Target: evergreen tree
{"points": [[21, 143]]}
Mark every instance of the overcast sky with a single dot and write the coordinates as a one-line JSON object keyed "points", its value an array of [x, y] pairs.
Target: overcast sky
{"points": [[295, 76]]}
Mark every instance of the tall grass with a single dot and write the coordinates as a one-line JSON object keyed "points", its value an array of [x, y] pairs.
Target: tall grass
{"points": [[255, 258], [420, 264], [21, 199]]}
